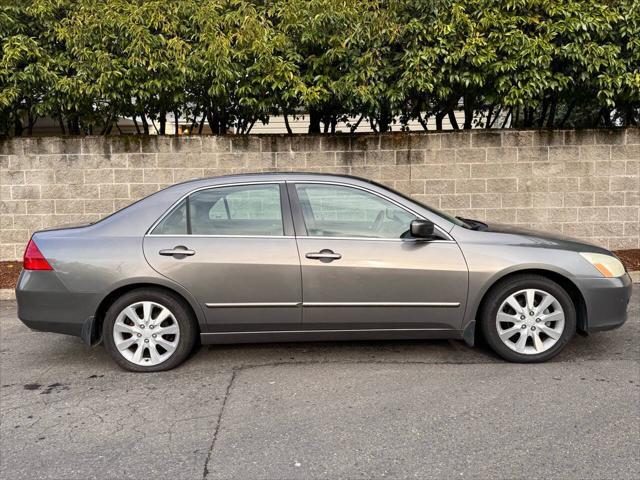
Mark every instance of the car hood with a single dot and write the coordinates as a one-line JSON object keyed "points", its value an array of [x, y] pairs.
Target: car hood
{"points": [[543, 239]]}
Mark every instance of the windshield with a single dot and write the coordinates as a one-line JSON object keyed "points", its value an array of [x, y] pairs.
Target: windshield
{"points": [[446, 216]]}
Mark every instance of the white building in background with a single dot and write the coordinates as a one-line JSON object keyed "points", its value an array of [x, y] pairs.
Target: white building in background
{"points": [[276, 125]]}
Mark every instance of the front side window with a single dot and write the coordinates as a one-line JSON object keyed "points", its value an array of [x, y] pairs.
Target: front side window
{"points": [[339, 211], [234, 210]]}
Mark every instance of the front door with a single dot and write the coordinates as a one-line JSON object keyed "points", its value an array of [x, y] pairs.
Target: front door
{"points": [[233, 248], [361, 271]]}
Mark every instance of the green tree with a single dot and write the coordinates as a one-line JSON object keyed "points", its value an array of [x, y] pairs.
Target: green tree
{"points": [[232, 63], [242, 69]]}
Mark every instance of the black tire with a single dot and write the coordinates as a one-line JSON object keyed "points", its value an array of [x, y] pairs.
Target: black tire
{"points": [[497, 296], [181, 313]]}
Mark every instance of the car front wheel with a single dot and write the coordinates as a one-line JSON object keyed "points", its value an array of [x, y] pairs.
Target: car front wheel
{"points": [[528, 318], [148, 331]]}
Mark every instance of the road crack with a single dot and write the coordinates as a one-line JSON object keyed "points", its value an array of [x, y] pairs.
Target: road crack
{"points": [[205, 472]]}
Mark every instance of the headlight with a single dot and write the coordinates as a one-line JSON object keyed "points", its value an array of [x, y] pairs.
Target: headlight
{"points": [[607, 265]]}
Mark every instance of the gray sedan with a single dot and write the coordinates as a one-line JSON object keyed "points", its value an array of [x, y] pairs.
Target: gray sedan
{"points": [[300, 257]]}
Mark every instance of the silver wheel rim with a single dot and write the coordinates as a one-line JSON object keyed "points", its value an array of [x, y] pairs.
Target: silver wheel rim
{"points": [[146, 333], [530, 321]]}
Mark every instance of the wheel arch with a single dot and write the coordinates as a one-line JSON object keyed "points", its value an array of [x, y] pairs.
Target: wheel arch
{"points": [[565, 282], [114, 294]]}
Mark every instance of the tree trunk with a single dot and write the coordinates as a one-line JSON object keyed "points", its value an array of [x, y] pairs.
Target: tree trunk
{"points": [[452, 119], [175, 121], [314, 120], [224, 122], [145, 123], [543, 113], [553, 109], [193, 123], [468, 112], [439, 116], [211, 120], [17, 125], [163, 121], [495, 117], [384, 122], [528, 117], [135, 123], [31, 121], [286, 124], [487, 123], [630, 115], [605, 114], [107, 128], [355, 126], [248, 130], [506, 118], [422, 122], [61, 124], [73, 124]]}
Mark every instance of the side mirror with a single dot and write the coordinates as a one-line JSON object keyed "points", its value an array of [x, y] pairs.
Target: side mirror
{"points": [[421, 229]]}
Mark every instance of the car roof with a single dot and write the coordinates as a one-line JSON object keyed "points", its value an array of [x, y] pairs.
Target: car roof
{"points": [[278, 176]]}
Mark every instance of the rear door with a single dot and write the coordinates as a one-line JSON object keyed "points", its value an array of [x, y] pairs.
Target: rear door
{"points": [[233, 248], [361, 270]]}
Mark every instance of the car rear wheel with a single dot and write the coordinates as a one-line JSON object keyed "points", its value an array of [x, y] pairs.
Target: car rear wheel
{"points": [[528, 318], [149, 330]]}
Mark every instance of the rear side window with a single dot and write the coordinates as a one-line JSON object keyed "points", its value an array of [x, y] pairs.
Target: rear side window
{"points": [[235, 210]]}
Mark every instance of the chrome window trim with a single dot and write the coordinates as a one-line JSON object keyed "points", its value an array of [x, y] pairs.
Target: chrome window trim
{"points": [[448, 238], [301, 237], [209, 187], [197, 235], [370, 239], [378, 194]]}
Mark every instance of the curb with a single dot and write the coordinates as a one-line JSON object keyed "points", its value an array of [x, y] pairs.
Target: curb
{"points": [[10, 294], [7, 294]]}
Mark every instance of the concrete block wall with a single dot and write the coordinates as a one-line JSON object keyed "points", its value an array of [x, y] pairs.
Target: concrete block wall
{"points": [[584, 184]]}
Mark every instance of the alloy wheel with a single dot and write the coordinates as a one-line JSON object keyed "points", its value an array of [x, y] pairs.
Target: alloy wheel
{"points": [[530, 321], [146, 333]]}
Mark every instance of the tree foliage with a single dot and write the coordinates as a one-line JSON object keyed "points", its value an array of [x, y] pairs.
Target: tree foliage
{"points": [[231, 63]]}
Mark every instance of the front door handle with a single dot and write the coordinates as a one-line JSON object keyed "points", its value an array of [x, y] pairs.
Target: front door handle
{"points": [[178, 251], [324, 256]]}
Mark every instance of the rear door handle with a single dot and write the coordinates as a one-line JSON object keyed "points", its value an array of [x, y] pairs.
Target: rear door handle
{"points": [[324, 256], [177, 251]]}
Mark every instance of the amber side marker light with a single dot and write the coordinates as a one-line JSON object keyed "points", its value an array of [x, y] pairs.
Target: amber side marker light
{"points": [[33, 258]]}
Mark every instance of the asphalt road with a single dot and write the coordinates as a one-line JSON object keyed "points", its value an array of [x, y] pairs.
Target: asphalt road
{"points": [[432, 409]]}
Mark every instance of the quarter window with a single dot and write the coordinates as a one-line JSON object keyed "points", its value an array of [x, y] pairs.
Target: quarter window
{"points": [[175, 223], [339, 211], [234, 210]]}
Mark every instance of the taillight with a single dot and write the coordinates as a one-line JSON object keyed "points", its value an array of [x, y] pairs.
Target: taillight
{"points": [[33, 258]]}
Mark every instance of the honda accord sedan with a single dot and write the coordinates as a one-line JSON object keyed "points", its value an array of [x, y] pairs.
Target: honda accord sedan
{"points": [[305, 257]]}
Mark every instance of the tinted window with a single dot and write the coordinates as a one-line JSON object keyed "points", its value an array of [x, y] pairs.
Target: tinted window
{"points": [[238, 210], [337, 211]]}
